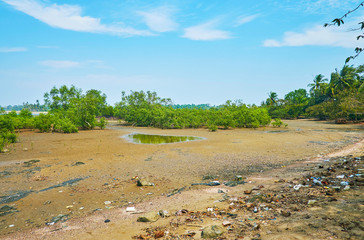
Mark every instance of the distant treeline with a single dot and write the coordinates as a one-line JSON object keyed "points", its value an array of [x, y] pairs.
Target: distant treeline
{"points": [[35, 107], [341, 97], [192, 106]]}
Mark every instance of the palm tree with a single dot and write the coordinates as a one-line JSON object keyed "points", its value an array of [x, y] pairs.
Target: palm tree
{"points": [[272, 98], [317, 82], [345, 79]]}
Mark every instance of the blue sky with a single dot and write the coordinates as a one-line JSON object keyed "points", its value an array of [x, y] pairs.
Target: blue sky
{"points": [[191, 51]]}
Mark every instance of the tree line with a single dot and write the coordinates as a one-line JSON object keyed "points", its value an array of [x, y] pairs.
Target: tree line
{"points": [[340, 97]]}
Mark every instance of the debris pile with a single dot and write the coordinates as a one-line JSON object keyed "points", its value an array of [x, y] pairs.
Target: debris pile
{"points": [[323, 204]]}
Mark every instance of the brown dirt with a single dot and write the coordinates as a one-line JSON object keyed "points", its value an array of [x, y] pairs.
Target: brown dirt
{"points": [[111, 163]]}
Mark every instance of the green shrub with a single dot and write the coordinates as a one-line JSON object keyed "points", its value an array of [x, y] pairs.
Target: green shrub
{"points": [[102, 123], [25, 113], [65, 126], [44, 122], [278, 123]]}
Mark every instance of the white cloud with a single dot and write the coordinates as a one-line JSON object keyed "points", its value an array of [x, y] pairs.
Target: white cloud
{"points": [[70, 17], [206, 32], [318, 36], [60, 64], [245, 19], [13, 49], [159, 19]]}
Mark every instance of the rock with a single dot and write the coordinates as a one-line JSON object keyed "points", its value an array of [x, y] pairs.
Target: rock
{"points": [[149, 217], [143, 182], [285, 213], [158, 234], [248, 191], [226, 223], [212, 231], [163, 213], [311, 202], [78, 163]]}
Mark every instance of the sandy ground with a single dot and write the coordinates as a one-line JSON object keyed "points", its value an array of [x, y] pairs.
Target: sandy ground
{"points": [[111, 164]]}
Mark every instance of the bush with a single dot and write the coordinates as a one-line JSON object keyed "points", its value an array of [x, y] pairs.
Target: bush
{"points": [[44, 122], [102, 123], [65, 126]]}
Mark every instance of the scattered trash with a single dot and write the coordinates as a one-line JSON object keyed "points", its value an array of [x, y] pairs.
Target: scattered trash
{"points": [[107, 202], [130, 209], [107, 221]]}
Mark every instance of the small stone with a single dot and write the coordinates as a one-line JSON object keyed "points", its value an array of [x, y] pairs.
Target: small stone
{"points": [[149, 217], [226, 223], [163, 213], [249, 205], [285, 213], [248, 191], [25, 149], [311, 202], [212, 231], [141, 183]]}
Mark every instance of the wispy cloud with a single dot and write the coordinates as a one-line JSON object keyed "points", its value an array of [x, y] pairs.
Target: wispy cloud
{"points": [[12, 49], [70, 17], [318, 36], [160, 19], [245, 19], [60, 64], [206, 32], [67, 64]]}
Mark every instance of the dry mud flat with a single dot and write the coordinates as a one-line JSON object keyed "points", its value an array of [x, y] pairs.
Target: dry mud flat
{"points": [[74, 183]]}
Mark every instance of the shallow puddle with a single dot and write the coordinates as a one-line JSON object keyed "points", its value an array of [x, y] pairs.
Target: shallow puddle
{"points": [[158, 139]]}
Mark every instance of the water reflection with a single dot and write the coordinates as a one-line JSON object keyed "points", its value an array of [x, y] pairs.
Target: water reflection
{"points": [[159, 139]]}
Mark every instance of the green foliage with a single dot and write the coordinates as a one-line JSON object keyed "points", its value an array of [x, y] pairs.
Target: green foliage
{"points": [[54, 123], [25, 113], [45, 122], [7, 128], [102, 123], [212, 127], [277, 122], [147, 109], [341, 97]]}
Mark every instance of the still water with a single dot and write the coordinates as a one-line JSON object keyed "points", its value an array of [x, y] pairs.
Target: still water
{"points": [[158, 139]]}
